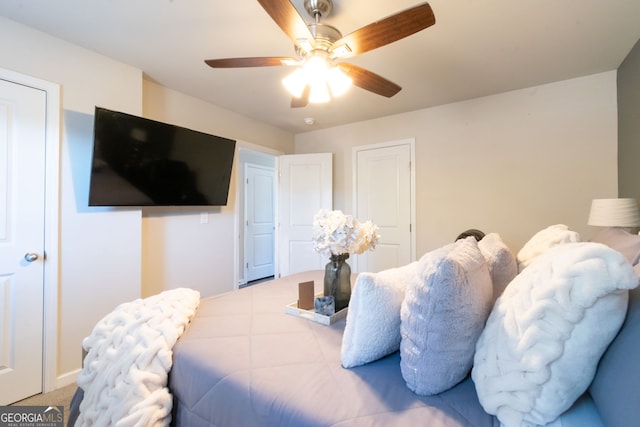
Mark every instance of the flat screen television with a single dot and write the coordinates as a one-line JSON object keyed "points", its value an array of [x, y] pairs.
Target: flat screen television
{"points": [[143, 162]]}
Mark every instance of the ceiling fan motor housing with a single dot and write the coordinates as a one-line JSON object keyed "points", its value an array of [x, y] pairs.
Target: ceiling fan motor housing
{"points": [[324, 36], [317, 8]]}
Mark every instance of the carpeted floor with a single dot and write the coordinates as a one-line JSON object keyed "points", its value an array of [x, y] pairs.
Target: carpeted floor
{"points": [[59, 397]]}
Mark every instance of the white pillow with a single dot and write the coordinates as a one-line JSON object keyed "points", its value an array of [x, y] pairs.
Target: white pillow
{"points": [[443, 313], [373, 320], [540, 348], [501, 261], [544, 239]]}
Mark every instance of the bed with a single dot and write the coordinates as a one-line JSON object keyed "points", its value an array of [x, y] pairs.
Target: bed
{"points": [[243, 361], [268, 368]]}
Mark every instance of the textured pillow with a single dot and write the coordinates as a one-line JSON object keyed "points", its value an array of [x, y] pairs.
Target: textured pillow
{"points": [[622, 241], [373, 320], [443, 313], [541, 345], [501, 261], [544, 239]]}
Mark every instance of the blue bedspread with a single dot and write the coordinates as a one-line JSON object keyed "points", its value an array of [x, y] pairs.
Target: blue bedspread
{"points": [[244, 362]]}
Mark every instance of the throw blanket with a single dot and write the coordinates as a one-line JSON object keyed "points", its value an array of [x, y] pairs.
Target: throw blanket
{"points": [[130, 351]]}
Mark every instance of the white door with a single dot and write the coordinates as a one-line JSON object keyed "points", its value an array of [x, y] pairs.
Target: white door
{"points": [[259, 221], [305, 186], [384, 194], [22, 184]]}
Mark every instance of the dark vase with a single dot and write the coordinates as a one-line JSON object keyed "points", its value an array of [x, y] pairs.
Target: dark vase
{"points": [[337, 280]]}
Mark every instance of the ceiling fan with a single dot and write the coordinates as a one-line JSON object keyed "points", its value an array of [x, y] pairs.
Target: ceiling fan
{"points": [[320, 48]]}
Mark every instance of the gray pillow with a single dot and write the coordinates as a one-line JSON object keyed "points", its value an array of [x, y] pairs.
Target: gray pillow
{"points": [[443, 313]]}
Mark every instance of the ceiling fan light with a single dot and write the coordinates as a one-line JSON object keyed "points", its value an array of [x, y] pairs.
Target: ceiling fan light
{"points": [[319, 92], [316, 68], [338, 81], [295, 83]]}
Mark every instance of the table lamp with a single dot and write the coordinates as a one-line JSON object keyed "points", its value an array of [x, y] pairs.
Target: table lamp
{"points": [[622, 213]]}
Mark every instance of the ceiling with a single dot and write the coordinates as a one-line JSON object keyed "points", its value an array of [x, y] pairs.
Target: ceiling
{"points": [[476, 48]]}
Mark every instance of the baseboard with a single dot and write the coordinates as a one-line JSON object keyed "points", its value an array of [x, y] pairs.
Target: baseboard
{"points": [[67, 379]]}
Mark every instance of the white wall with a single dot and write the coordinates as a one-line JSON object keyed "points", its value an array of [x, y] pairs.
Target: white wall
{"points": [[512, 163]]}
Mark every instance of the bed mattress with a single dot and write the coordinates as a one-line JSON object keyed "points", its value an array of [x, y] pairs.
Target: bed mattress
{"points": [[244, 362]]}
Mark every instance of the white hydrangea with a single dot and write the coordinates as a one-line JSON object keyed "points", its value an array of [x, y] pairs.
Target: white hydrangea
{"points": [[335, 233]]}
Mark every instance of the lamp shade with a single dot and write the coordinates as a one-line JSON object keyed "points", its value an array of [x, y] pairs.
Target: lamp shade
{"points": [[614, 213]]}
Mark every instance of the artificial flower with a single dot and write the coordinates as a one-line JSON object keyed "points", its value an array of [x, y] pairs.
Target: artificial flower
{"points": [[335, 233]]}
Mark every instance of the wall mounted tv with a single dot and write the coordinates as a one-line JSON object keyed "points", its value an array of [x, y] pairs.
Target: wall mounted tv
{"points": [[143, 162]]}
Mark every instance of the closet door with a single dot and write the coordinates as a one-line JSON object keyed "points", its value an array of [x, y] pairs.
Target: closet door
{"points": [[305, 186], [22, 210], [383, 183]]}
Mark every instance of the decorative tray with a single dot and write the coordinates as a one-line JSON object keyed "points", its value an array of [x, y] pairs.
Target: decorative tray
{"points": [[313, 316]]}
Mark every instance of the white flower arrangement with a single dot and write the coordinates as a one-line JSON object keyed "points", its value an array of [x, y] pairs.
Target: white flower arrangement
{"points": [[335, 233]]}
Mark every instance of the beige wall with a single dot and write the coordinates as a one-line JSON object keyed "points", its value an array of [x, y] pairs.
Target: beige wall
{"points": [[102, 250], [179, 247], [512, 163], [161, 103], [99, 254], [629, 125]]}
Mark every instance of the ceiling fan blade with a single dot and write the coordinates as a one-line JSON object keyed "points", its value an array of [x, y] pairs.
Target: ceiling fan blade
{"points": [[370, 81], [388, 30], [303, 100], [289, 20], [250, 62]]}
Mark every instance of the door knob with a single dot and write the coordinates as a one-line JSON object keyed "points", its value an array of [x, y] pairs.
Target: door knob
{"points": [[30, 256]]}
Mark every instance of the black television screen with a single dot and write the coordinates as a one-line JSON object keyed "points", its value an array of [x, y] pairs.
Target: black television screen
{"points": [[143, 162]]}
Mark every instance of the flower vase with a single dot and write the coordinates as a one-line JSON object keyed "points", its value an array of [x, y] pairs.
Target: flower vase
{"points": [[337, 280]]}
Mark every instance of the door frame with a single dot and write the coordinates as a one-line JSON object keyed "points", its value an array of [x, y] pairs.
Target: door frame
{"points": [[51, 221], [239, 210], [412, 194]]}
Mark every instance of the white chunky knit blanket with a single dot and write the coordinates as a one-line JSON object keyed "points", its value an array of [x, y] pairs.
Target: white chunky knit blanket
{"points": [[129, 355]]}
